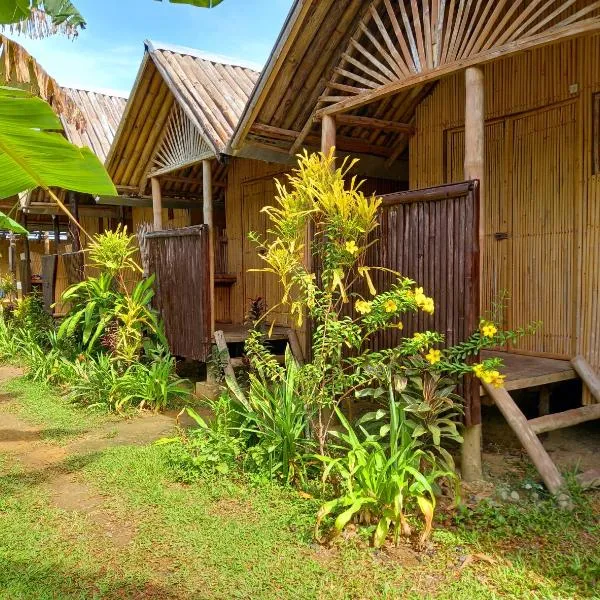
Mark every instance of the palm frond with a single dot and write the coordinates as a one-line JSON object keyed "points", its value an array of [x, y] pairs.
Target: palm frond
{"points": [[41, 18], [200, 3]]}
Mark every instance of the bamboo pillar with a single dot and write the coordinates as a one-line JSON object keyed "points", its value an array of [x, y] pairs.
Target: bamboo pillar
{"points": [[327, 134], [26, 274], [474, 169], [207, 209], [56, 229], [156, 204], [74, 230]]}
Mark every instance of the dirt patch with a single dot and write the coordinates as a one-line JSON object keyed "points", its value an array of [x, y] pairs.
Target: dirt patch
{"points": [[74, 496], [139, 431], [10, 372]]}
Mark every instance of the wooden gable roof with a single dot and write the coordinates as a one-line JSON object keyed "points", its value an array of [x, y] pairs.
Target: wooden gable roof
{"points": [[184, 107], [379, 59]]}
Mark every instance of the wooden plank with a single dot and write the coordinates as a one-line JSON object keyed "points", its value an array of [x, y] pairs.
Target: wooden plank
{"points": [[207, 210], [382, 124], [534, 448], [588, 375], [567, 418], [224, 356]]}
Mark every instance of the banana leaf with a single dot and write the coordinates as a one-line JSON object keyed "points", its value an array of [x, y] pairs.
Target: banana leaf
{"points": [[33, 152], [200, 3], [41, 18], [8, 224]]}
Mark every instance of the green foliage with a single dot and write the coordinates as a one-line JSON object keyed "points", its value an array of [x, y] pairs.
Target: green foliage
{"points": [[212, 448], [275, 421], [33, 152], [39, 17], [113, 252]]}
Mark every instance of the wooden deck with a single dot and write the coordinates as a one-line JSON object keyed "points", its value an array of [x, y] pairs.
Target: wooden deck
{"points": [[239, 333], [531, 371]]}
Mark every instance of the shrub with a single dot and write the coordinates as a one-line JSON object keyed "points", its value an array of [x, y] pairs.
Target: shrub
{"points": [[210, 449]]}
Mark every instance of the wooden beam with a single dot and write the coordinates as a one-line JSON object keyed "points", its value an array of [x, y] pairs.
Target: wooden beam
{"points": [[190, 180], [74, 230], [382, 124], [143, 202], [474, 169], [328, 140], [552, 36], [207, 208], [156, 204], [567, 418], [536, 451], [587, 374], [56, 230]]}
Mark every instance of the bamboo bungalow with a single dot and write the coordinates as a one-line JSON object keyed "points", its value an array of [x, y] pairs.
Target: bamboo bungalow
{"points": [[98, 116], [504, 95]]}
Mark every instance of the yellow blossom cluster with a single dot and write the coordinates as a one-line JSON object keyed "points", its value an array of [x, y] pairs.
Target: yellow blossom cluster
{"points": [[488, 329], [488, 375], [433, 356], [363, 307], [425, 303]]}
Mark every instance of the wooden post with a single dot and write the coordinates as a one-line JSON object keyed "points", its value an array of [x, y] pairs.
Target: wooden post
{"points": [[518, 423], [207, 209], [474, 169], [56, 228], [74, 230], [26, 274], [156, 204], [327, 134]]}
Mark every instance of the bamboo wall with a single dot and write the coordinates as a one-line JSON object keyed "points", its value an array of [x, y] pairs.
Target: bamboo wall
{"points": [[539, 190]]}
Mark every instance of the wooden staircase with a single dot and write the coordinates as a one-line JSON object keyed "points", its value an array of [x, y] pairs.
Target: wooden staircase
{"points": [[528, 430]]}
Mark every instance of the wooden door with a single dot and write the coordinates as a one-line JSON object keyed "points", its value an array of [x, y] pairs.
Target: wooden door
{"points": [[543, 269], [496, 212], [256, 195]]}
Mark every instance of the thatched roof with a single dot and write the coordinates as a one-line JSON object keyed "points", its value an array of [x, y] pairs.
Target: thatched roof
{"points": [[184, 106], [102, 111]]}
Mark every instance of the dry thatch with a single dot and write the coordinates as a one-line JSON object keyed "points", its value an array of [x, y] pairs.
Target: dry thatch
{"points": [[19, 69]]}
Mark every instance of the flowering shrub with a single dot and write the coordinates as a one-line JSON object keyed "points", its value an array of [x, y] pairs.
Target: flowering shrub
{"points": [[413, 376]]}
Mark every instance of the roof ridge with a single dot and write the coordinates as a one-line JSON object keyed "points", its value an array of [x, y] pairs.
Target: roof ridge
{"points": [[153, 46], [103, 91]]}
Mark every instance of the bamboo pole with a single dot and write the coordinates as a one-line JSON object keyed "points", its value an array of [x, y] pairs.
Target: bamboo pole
{"points": [[156, 204], [208, 220], [327, 134], [74, 210], [56, 229], [474, 169]]}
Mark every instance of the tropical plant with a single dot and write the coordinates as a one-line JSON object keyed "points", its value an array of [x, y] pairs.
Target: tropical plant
{"points": [[211, 448], [40, 18], [275, 421], [382, 476]]}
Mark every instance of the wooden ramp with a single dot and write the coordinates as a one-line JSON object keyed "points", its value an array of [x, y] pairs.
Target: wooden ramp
{"points": [[528, 430]]}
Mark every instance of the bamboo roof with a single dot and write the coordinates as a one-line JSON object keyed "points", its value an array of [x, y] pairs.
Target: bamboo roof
{"points": [[102, 112], [378, 59], [184, 107]]}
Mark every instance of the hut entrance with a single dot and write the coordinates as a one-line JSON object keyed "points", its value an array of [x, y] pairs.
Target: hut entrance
{"points": [[530, 242], [179, 259]]}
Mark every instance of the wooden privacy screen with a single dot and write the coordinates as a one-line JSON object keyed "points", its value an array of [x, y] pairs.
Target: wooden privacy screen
{"points": [[179, 259], [432, 236]]}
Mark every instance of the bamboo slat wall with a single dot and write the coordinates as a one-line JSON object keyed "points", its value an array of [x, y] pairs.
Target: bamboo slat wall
{"points": [[542, 200]]}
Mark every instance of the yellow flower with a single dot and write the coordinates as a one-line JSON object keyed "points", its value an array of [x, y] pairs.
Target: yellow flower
{"points": [[351, 247], [428, 306], [363, 307], [433, 356], [478, 370], [400, 325], [488, 329], [498, 381], [390, 306]]}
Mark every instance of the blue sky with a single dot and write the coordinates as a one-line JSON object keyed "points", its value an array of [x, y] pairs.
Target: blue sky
{"points": [[108, 53]]}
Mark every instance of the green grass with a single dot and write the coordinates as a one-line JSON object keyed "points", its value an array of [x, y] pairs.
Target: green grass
{"points": [[250, 539], [40, 405]]}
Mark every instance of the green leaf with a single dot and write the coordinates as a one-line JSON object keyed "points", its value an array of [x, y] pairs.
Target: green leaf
{"points": [[381, 532], [200, 3], [8, 224], [33, 153]]}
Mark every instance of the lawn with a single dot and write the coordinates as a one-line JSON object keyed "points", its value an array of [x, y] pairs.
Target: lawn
{"points": [[116, 524]]}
